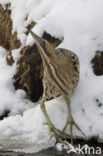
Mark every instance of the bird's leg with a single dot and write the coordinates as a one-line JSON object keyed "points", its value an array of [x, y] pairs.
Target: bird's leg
{"points": [[57, 133], [70, 121]]}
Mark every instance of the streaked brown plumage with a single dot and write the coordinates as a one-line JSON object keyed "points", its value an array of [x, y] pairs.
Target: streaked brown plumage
{"points": [[60, 78], [61, 75]]}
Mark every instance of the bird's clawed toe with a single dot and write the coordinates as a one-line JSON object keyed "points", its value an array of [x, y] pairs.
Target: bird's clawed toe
{"points": [[72, 123], [58, 134]]}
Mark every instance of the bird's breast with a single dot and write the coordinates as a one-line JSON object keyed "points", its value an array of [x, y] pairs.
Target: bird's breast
{"points": [[50, 90]]}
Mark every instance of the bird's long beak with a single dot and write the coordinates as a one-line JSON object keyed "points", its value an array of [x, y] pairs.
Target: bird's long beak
{"points": [[45, 48], [38, 40]]}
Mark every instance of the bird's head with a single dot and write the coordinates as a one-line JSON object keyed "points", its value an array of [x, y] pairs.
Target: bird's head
{"points": [[46, 50]]}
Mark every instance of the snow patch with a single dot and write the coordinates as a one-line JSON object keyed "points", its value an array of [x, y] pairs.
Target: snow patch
{"points": [[80, 23]]}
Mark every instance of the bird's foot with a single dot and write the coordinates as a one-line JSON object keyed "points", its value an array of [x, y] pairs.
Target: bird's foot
{"points": [[71, 123], [74, 123], [58, 134]]}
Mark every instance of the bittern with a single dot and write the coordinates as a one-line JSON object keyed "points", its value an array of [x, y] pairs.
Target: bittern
{"points": [[61, 75]]}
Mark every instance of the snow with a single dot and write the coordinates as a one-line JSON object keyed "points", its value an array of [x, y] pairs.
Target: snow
{"points": [[80, 23], [10, 99]]}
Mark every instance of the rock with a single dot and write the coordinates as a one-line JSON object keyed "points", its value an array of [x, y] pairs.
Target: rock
{"points": [[7, 40], [97, 63], [5, 114], [30, 73]]}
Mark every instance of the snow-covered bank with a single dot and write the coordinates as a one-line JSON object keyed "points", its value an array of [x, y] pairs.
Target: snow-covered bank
{"points": [[80, 22]]}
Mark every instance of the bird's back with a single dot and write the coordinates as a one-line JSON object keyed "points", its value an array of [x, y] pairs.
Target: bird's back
{"points": [[61, 78]]}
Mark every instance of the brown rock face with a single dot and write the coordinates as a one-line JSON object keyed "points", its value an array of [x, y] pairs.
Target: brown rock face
{"points": [[7, 40], [52, 40], [97, 63], [30, 73]]}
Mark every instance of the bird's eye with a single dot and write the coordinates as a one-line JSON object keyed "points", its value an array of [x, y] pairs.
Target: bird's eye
{"points": [[74, 63], [73, 57]]}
